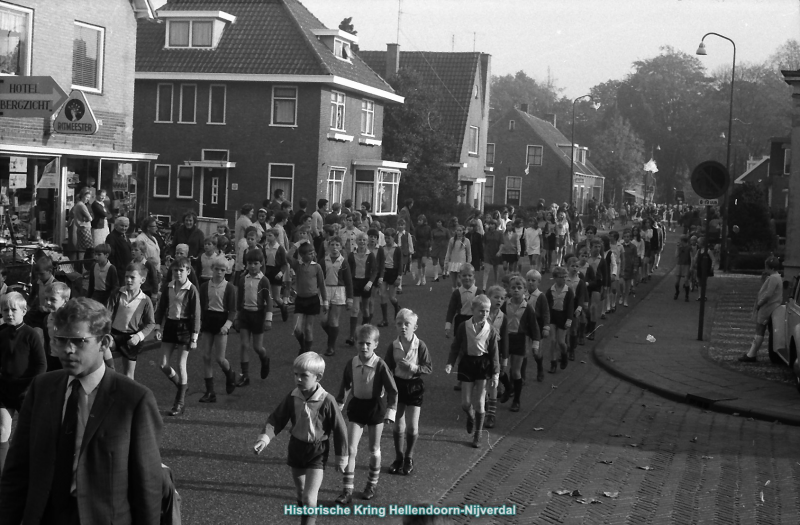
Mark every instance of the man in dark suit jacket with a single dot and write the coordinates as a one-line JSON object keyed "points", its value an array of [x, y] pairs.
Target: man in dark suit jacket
{"points": [[85, 450], [117, 240]]}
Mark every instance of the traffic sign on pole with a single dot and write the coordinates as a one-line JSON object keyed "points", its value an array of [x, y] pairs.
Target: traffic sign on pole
{"points": [[710, 179], [30, 97]]}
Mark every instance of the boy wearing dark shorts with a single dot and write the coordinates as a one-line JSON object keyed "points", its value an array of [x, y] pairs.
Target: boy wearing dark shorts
{"points": [[254, 314], [316, 419], [132, 317], [310, 286], [368, 377], [276, 269], [178, 316], [218, 307], [364, 266]]}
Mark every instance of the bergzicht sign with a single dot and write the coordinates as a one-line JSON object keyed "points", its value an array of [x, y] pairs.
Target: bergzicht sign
{"points": [[30, 97]]}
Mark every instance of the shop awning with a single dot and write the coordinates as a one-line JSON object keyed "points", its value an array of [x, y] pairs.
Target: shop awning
{"points": [[60, 152], [209, 164]]}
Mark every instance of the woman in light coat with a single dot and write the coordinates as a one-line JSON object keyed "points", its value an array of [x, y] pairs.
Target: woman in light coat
{"points": [[769, 298]]}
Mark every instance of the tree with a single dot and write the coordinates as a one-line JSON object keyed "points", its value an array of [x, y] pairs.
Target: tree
{"points": [[346, 25], [510, 91], [748, 210], [619, 154], [787, 56], [412, 133]]}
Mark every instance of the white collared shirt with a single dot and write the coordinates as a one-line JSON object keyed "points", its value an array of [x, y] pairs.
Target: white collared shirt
{"points": [[412, 356], [178, 300]]}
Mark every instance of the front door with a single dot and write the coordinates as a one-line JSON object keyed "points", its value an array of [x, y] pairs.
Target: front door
{"points": [[215, 187]]}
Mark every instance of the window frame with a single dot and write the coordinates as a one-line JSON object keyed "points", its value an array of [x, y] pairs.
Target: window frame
{"points": [[528, 155], [169, 181], [224, 104], [271, 190], [180, 106], [474, 141], [189, 44], [787, 155], [334, 111], [100, 58], [486, 186], [519, 200], [369, 115], [491, 148], [296, 101], [343, 44], [378, 183], [171, 102], [178, 194], [330, 180], [28, 45], [512, 125]]}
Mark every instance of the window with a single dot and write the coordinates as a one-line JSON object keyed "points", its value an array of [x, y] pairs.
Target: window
{"points": [[490, 153], [216, 103], [15, 40], [474, 134], [284, 106], [188, 109], [87, 57], [384, 200], [341, 49], [337, 110], [335, 184], [534, 155], [185, 33], [580, 155], [281, 176], [512, 125], [185, 182], [513, 190], [161, 180], [787, 161], [488, 190], [367, 117], [164, 103]]}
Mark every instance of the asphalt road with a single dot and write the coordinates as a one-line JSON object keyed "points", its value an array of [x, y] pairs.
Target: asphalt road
{"points": [[701, 467]]}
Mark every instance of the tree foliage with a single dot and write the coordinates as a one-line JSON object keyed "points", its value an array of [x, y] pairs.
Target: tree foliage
{"points": [[412, 133], [619, 154], [748, 210], [511, 91]]}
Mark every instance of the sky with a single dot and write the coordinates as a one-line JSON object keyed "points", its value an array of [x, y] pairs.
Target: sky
{"points": [[579, 43]]}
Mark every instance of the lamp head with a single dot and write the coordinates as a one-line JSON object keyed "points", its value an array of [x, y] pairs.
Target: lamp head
{"points": [[595, 105], [701, 50]]}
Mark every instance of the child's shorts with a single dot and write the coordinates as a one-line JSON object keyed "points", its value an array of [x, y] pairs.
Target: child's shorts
{"points": [[213, 321], [517, 344], [510, 257], [358, 288], [337, 296], [404, 260], [474, 368], [271, 273], [561, 240], [252, 321], [129, 352], [307, 305], [390, 276], [177, 332], [11, 395], [559, 319], [410, 391], [101, 296], [307, 455], [366, 411]]}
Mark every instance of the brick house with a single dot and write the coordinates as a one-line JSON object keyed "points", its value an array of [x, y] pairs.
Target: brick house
{"points": [[243, 97], [771, 174], [531, 161], [462, 82], [85, 46]]}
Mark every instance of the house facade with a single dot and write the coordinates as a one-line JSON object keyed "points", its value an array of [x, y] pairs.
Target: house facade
{"points": [[771, 174], [531, 160], [88, 49], [241, 98], [462, 82]]}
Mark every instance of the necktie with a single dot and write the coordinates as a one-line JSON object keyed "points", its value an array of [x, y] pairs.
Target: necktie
{"points": [[65, 456]]}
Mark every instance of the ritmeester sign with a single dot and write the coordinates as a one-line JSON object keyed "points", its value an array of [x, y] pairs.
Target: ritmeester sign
{"points": [[76, 116]]}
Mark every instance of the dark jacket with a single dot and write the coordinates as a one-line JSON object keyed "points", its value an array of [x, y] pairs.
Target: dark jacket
{"points": [[120, 255], [100, 214]]}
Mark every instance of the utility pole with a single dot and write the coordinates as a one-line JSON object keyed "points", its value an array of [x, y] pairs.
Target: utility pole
{"points": [[399, 12], [474, 39]]}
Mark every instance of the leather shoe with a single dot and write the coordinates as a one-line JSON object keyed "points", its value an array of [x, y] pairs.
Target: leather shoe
{"points": [[369, 492], [345, 498], [747, 359], [408, 466], [208, 397], [264, 367], [230, 382], [396, 467], [243, 381]]}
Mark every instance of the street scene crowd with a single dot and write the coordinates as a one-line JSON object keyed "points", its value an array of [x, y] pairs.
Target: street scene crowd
{"points": [[190, 293]]}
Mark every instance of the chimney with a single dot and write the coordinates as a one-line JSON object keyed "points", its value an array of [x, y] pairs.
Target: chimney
{"points": [[523, 108], [551, 118], [392, 59]]}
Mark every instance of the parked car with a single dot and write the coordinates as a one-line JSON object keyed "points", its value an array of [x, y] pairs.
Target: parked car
{"points": [[785, 339]]}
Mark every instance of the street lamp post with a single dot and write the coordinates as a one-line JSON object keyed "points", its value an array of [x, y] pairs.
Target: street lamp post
{"points": [[572, 148], [701, 50]]}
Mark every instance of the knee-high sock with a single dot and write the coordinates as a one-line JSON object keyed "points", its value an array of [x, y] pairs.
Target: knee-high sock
{"points": [[524, 367], [479, 416], [209, 385], [384, 311], [171, 375], [517, 390], [396, 305], [411, 440], [539, 364], [3, 454], [374, 468], [349, 478], [491, 406], [398, 444], [506, 382], [307, 343], [245, 369], [333, 334], [300, 339], [353, 326], [368, 319]]}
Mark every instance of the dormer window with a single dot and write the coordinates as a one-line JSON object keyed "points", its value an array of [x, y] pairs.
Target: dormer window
{"points": [[338, 41], [195, 29]]}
